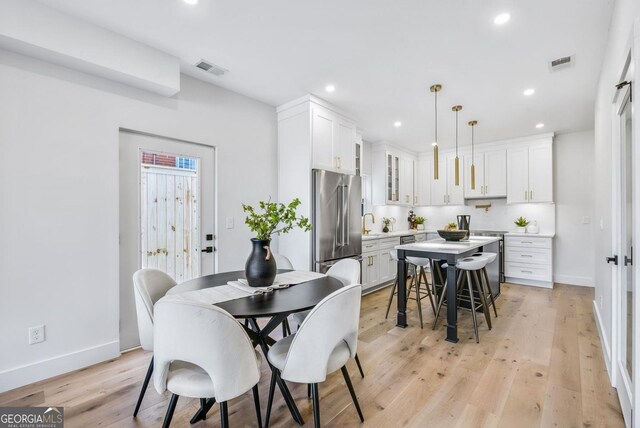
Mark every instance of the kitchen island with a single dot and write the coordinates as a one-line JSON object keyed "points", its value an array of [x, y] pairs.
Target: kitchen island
{"points": [[446, 251]]}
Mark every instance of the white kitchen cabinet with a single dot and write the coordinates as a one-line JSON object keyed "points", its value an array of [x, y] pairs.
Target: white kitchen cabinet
{"points": [[359, 155], [392, 173], [444, 190], [491, 175], [423, 177], [529, 260], [370, 269], [333, 139], [378, 267], [530, 174]]}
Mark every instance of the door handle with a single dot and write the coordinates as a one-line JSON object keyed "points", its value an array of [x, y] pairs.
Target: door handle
{"points": [[613, 259], [207, 250], [628, 261]]}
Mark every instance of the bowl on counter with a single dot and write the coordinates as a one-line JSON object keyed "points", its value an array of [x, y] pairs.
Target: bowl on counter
{"points": [[453, 235]]}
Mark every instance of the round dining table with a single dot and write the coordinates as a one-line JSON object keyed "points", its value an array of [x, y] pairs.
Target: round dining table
{"points": [[276, 305]]}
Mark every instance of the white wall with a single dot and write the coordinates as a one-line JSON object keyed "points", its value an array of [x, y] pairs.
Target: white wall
{"points": [[573, 189], [59, 187], [625, 11]]}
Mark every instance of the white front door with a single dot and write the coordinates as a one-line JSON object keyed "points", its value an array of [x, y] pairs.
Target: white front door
{"points": [[166, 215]]}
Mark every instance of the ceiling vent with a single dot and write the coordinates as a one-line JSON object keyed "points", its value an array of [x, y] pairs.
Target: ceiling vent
{"points": [[211, 68], [564, 62]]}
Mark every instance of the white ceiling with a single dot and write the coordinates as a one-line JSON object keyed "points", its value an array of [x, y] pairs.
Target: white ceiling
{"points": [[383, 55]]}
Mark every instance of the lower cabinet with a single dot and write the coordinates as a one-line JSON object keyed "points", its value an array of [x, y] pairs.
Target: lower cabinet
{"points": [[378, 267], [529, 260]]}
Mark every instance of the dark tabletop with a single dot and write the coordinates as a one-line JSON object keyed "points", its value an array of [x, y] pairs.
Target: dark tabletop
{"points": [[296, 298]]}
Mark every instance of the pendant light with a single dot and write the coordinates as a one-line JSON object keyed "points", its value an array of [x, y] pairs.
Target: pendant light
{"points": [[472, 124], [435, 89], [457, 165]]}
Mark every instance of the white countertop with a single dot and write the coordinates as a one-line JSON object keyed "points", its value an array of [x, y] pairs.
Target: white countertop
{"points": [[450, 247], [381, 235]]}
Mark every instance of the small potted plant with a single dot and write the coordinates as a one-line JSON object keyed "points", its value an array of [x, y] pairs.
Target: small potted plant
{"points": [[521, 224], [386, 222], [420, 223], [275, 218]]}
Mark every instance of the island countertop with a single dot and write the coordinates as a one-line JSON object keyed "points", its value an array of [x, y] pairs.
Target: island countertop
{"points": [[449, 247]]}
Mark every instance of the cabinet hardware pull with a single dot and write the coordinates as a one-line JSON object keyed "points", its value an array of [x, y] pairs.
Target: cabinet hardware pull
{"points": [[525, 196], [531, 195], [525, 271], [526, 242], [526, 255], [444, 199]]}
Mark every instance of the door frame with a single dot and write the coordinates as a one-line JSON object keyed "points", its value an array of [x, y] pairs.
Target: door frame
{"points": [[627, 402]]}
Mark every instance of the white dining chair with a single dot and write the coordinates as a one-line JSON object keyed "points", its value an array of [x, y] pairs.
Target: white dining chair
{"points": [[201, 351], [346, 271], [149, 285], [325, 341], [282, 262]]}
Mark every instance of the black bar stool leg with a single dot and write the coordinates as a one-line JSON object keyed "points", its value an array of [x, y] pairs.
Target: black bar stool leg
{"points": [[473, 306], [483, 298], [272, 387], [393, 292], [224, 415], [485, 277]]}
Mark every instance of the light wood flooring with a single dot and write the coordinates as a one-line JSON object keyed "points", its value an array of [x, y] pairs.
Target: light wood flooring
{"points": [[540, 366]]}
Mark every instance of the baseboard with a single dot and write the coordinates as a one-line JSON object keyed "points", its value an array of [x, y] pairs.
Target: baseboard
{"points": [[606, 348], [582, 281], [34, 372]]}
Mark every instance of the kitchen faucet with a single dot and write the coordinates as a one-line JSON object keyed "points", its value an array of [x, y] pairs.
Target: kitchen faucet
{"points": [[365, 231]]}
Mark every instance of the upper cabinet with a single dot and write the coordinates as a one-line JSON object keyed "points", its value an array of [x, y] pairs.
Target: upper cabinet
{"points": [[333, 139], [530, 173], [491, 175], [444, 190], [393, 176], [423, 175]]}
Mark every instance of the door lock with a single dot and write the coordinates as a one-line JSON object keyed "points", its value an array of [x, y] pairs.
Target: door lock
{"points": [[613, 259], [207, 250], [628, 261]]}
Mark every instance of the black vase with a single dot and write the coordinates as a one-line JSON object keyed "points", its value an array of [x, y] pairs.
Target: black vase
{"points": [[260, 269]]}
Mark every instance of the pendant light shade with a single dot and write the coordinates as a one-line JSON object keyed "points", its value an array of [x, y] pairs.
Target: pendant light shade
{"points": [[472, 124], [456, 109], [436, 173]]}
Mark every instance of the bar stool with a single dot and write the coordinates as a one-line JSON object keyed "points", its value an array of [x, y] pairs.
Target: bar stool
{"points": [[469, 268], [418, 279], [491, 257]]}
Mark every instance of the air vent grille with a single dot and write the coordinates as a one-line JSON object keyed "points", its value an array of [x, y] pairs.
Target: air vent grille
{"points": [[563, 62], [211, 68]]}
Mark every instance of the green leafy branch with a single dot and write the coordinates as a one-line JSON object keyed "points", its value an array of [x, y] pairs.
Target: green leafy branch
{"points": [[275, 218]]}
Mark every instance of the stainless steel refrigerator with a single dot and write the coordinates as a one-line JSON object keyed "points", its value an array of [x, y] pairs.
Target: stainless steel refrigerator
{"points": [[336, 218]]}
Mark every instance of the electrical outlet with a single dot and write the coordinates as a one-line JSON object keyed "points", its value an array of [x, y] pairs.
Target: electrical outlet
{"points": [[229, 223], [36, 334], [586, 220]]}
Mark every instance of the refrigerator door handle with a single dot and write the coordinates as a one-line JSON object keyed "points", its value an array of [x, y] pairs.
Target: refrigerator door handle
{"points": [[346, 228], [340, 204]]}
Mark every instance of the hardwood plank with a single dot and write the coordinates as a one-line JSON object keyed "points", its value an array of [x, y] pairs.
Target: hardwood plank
{"points": [[541, 365]]}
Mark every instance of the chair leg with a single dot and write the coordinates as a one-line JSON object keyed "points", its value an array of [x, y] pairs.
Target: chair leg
{"points": [[393, 290], [272, 387], [483, 298], [205, 406], [170, 410], [224, 415], [429, 293], [418, 302], [286, 330], [442, 296], [316, 405], [359, 365], [145, 384], [309, 391], [256, 402], [347, 379], [473, 307], [485, 278]]}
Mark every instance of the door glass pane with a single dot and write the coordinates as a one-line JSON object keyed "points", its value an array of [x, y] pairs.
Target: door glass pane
{"points": [[170, 214], [389, 178], [358, 158], [629, 223], [396, 178]]}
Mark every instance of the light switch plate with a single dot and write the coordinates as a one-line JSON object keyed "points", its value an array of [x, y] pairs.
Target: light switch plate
{"points": [[586, 220], [229, 223]]}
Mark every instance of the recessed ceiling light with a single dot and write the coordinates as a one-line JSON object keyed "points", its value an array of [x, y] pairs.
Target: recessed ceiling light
{"points": [[192, 2], [501, 19], [540, 125], [329, 88], [397, 124], [529, 92]]}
